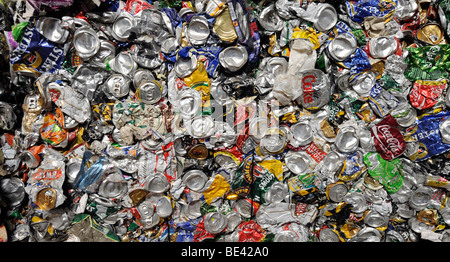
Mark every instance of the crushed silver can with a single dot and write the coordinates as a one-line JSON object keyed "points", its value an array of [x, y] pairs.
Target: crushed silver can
{"points": [[86, 42], [164, 207], [286, 236], [117, 85], [270, 20], [157, 183], [215, 222], [277, 193], [198, 30], [185, 66], [121, 28], [202, 127], [274, 141], [189, 103], [364, 83], [336, 191], [302, 133], [123, 63], [195, 180], [297, 162], [383, 46], [347, 139], [375, 219], [357, 200], [420, 198], [444, 131], [341, 47], [328, 235], [52, 29], [233, 58], [325, 18]]}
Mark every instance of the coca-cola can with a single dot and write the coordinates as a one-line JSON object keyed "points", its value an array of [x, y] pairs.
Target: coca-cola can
{"points": [[316, 89]]}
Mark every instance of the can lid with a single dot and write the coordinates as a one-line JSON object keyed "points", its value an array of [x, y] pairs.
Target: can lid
{"points": [[185, 66], [164, 207], [121, 27], [347, 139], [286, 236], [46, 198], [270, 20], [233, 58], [326, 17], [198, 30], [336, 191], [215, 222], [341, 47], [86, 42], [149, 92], [118, 85], [375, 219], [157, 183], [195, 179], [431, 33], [357, 200], [274, 140], [297, 163]]}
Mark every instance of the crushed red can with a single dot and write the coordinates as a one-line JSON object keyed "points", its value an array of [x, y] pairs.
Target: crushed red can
{"points": [[389, 141]]}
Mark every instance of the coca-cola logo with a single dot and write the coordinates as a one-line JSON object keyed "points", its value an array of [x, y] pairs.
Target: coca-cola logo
{"points": [[388, 141], [308, 88], [392, 142]]}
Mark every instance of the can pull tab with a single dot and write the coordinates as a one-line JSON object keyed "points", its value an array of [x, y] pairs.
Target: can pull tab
{"points": [[116, 88]]}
